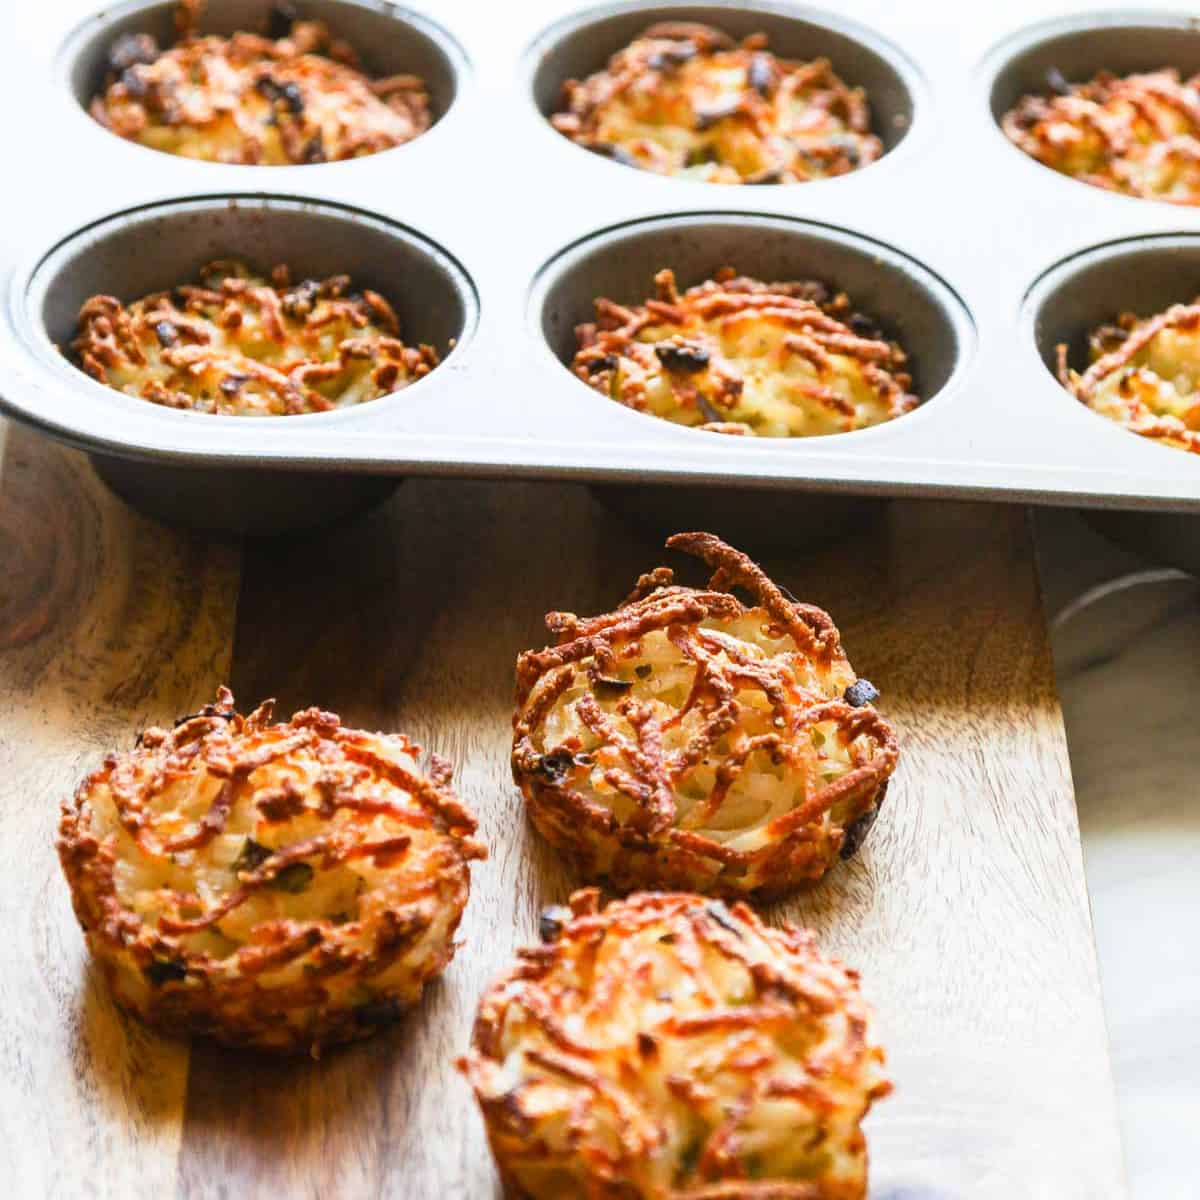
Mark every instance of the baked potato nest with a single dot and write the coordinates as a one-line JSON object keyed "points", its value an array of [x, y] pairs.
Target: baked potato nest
{"points": [[298, 96], [1136, 134], [685, 99], [284, 886], [737, 355], [690, 741], [668, 1047], [1144, 375], [234, 344]]}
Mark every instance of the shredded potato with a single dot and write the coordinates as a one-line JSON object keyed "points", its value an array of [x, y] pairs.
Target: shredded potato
{"points": [[687, 740], [683, 99], [1136, 134], [238, 345], [671, 1048], [283, 886], [1145, 375], [738, 356], [296, 98]]}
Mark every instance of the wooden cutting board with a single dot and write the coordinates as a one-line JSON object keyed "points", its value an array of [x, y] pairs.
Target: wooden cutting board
{"points": [[967, 911]]}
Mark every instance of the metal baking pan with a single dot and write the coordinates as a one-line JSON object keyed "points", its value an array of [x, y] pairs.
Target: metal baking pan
{"points": [[496, 231]]}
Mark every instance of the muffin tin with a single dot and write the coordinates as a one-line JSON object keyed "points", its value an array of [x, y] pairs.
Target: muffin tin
{"points": [[494, 230]]}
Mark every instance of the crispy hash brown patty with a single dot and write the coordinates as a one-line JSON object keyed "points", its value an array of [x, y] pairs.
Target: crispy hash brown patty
{"points": [[298, 98], [1145, 375], [1136, 134], [689, 741], [739, 356], [669, 1048], [686, 100], [284, 886], [238, 345]]}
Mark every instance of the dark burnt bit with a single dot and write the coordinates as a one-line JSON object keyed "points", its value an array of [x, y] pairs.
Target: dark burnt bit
{"points": [[232, 384], [671, 57], [865, 327], [686, 357], [608, 689], [378, 1012], [252, 855], [209, 710], [552, 920], [281, 19], [135, 82], [556, 766], [298, 302], [719, 911], [861, 693], [168, 337], [132, 50], [287, 94], [314, 150], [769, 175], [162, 971], [856, 833], [605, 363]]}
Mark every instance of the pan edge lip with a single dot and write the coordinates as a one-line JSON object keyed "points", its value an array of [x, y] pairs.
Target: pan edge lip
{"points": [[40, 357]]}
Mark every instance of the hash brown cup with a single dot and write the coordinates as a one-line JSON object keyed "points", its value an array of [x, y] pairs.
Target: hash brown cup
{"points": [[690, 741], [282, 886]]}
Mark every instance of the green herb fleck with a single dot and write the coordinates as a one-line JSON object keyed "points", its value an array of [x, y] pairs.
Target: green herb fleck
{"points": [[251, 855], [295, 877]]}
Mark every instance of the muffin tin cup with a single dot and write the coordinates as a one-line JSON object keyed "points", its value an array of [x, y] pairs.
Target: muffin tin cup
{"points": [[952, 229]]}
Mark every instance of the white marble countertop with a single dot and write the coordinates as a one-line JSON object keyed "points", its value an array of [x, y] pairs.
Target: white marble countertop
{"points": [[1126, 638]]}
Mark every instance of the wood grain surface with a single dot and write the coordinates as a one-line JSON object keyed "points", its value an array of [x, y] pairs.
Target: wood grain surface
{"points": [[966, 912]]}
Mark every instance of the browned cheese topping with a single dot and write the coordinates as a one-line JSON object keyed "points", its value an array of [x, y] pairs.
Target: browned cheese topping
{"points": [[1134, 134], [296, 98], [239, 345], [686, 100], [740, 356], [1144, 375], [672, 1048], [689, 740], [282, 885]]}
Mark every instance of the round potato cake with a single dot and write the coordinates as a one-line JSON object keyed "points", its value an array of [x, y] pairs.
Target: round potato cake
{"points": [[298, 96], [1144, 375], [668, 1047], [278, 885], [235, 344], [686, 100], [689, 740], [1132, 134], [741, 356]]}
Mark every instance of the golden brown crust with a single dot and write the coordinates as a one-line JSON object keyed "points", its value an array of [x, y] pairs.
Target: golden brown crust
{"points": [[1144, 375], [296, 98], [736, 355], [689, 741], [683, 99], [283, 886], [1137, 134], [670, 1048], [238, 345]]}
